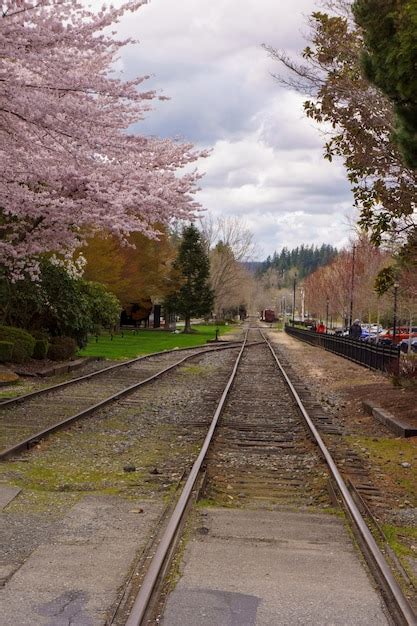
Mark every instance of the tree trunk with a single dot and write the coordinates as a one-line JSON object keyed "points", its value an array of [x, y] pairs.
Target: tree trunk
{"points": [[187, 327]]}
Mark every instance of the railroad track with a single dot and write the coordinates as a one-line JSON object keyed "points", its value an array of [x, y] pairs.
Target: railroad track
{"points": [[27, 419], [356, 471], [261, 448]]}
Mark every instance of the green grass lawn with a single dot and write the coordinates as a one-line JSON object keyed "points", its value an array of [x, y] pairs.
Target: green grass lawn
{"points": [[133, 343]]}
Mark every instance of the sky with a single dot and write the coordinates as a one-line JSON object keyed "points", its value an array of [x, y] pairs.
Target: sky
{"points": [[266, 165]]}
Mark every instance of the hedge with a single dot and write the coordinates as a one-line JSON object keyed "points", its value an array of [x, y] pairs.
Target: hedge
{"points": [[6, 351], [23, 342], [41, 349]]}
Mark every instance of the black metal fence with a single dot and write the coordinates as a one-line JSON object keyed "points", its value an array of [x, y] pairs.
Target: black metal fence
{"points": [[374, 356]]}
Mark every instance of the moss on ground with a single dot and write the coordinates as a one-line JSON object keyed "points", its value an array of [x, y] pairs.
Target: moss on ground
{"points": [[387, 455], [33, 502], [206, 503], [402, 539], [196, 370], [102, 460]]}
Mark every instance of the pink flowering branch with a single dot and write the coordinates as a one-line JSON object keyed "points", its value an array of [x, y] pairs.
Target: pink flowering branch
{"points": [[71, 164]]}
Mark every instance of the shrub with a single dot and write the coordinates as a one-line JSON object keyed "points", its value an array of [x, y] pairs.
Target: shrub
{"points": [[23, 342], [408, 367], [6, 351], [104, 307], [41, 349], [58, 304], [62, 348]]}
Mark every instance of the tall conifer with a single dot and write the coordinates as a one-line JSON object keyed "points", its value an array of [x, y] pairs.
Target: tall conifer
{"points": [[195, 296]]}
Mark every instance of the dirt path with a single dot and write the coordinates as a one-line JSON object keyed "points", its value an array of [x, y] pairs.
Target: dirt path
{"points": [[345, 385]]}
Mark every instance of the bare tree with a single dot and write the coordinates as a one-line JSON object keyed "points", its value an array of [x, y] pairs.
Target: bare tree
{"points": [[329, 289], [232, 232], [229, 244]]}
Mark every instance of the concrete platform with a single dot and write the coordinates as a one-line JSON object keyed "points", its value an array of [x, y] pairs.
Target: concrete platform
{"points": [[272, 568], [73, 578]]}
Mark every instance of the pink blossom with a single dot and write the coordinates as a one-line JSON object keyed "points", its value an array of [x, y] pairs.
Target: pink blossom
{"points": [[70, 165]]}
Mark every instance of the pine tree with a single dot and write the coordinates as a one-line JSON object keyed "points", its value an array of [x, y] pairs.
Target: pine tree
{"points": [[195, 296], [305, 259]]}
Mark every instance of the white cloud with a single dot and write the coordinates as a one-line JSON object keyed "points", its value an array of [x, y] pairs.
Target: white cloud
{"points": [[267, 165]]}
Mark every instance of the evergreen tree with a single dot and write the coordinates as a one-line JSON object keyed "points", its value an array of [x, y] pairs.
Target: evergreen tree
{"points": [[389, 60], [304, 259], [194, 296]]}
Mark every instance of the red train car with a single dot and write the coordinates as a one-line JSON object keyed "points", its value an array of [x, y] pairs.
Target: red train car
{"points": [[268, 315]]}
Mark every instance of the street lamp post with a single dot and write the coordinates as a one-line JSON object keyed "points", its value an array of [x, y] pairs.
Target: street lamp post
{"points": [[352, 285], [302, 304], [293, 299], [327, 313], [284, 310], [394, 324]]}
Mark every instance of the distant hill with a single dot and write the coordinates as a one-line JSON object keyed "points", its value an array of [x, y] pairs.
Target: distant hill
{"points": [[305, 259], [253, 266]]}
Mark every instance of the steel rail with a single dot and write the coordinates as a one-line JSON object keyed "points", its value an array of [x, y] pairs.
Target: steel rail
{"points": [[401, 601], [143, 598], [39, 392], [26, 443]]}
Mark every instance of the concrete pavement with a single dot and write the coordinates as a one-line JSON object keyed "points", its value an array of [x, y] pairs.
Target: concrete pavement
{"points": [[74, 576], [272, 568]]}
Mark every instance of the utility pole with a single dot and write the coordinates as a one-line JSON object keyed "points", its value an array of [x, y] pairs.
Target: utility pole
{"points": [[394, 325], [352, 284]]}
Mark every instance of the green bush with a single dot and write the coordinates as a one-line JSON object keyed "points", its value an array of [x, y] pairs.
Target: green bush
{"points": [[6, 351], [23, 342], [104, 307], [58, 304], [62, 348], [41, 349]]}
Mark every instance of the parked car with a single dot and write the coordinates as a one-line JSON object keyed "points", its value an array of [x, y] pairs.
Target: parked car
{"points": [[402, 332], [341, 332], [365, 332], [375, 329], [373, 338], [405, 345]]}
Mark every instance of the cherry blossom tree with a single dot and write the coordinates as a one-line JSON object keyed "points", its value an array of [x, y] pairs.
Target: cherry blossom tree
{"points": [[71, 164]]}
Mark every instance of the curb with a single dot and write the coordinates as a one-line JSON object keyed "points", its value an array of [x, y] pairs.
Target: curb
{"points": [[396, 425], [63, 368]]}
